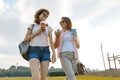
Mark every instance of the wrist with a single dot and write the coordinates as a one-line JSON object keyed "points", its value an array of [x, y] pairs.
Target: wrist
{"points": [[57, 37]]}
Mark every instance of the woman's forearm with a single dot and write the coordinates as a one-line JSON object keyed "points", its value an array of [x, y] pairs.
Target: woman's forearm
{"points": [[57, 41], [51, 42], [30, 36], [77, 43]]}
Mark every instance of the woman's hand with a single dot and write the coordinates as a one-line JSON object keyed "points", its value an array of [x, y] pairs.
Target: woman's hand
{"points": [[39, 31], [74, 36], [57, 33], [53, 58]]}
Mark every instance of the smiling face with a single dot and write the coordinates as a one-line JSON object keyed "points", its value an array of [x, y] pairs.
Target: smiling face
{"points": [[66, 23], [43, 16], [63, 23]]}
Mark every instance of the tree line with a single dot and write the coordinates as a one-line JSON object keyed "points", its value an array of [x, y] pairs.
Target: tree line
{"points": [[22, 71], [14, 71]]}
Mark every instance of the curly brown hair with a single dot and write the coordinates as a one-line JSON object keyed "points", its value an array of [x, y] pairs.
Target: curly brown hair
{"points": [[36, 16], [68, 22]]}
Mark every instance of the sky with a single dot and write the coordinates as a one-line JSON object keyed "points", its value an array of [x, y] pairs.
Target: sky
{"points": [[97, 22]]}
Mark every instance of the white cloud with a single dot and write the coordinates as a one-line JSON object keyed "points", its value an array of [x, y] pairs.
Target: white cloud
{"points": [[113, 3], [2, 41], [97, 21], [2, 6]]}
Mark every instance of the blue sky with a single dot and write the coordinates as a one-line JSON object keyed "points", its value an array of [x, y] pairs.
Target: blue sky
{"points": [[10, 1], [96, 21]]}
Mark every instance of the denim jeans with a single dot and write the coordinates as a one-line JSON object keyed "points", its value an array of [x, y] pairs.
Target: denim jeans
{"points": [[41, 53]]}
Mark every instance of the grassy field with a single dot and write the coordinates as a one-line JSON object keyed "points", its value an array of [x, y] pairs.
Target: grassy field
{"points": [[62, 78]]}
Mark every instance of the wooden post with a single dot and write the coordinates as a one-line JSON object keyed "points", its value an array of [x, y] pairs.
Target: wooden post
{"points": [[119, 62], [109, 60], [114, 61]]}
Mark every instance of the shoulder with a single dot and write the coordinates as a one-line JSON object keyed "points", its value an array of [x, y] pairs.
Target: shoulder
{"points": [[31, 26], [49, 27]]}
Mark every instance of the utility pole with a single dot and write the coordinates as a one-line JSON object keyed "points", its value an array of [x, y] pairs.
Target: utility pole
{"points": [[16, 69], [103, 56], [16, 65]]}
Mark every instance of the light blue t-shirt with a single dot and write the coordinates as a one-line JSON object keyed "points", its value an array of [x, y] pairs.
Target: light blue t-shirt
{"points": [[67, 42]]}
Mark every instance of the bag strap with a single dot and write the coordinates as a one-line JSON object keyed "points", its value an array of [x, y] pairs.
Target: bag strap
{"points": [[32, 27], [32, 30]]}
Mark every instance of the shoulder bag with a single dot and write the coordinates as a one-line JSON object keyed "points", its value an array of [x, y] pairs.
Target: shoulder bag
{"points": [[24, 48], [80, 69]]}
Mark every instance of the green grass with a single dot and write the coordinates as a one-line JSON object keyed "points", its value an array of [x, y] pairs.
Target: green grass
{"points": [[62, 78]]}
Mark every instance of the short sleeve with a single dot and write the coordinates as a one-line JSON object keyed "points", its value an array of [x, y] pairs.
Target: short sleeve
{"points": [[30, 27], [49, 29]]}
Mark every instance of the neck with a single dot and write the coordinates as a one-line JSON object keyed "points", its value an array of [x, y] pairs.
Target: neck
{"points": [[63, 30]]}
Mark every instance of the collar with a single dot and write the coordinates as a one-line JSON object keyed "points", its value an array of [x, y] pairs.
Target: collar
{"points": [[64, 30]]}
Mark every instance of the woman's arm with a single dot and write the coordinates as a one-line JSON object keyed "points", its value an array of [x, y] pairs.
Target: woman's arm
{"points": [[30, 36], [76, 40], [52, 47], [57, 42], [57, 38]]}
